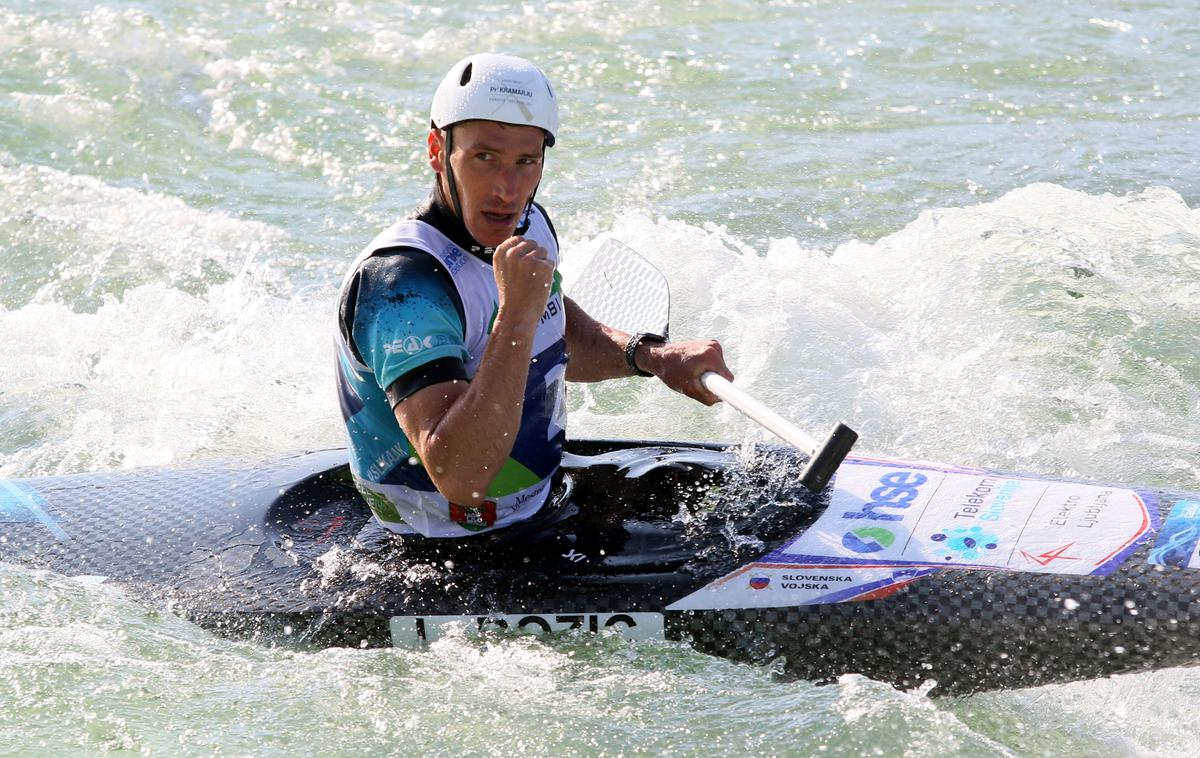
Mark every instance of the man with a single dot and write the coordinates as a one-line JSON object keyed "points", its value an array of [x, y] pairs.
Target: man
{"points": [[455, 335]]}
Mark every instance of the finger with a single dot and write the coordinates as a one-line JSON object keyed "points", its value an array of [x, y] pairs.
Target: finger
{"points": [[536, 252], [708, 396], [704, 396], [717, 362], [517, 245], [518, 249]]}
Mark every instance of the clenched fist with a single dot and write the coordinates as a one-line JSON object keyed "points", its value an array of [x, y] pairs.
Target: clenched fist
{"points": [[524, 274]]}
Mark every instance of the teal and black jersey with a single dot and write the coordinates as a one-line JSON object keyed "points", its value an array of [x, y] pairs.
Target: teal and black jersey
{"points": [[416, 309]]}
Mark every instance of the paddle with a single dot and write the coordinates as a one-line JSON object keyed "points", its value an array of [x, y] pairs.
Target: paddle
{"points": [[624, 290]]}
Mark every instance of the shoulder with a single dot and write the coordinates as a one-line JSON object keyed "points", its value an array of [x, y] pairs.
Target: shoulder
{"points": [[396, 265], [399, 284], [404, 279]]}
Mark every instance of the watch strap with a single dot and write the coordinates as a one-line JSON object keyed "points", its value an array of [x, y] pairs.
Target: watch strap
{"points": [[631, 350]]}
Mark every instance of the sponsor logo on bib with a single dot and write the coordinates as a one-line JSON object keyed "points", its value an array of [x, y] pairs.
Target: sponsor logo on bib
{"points": [[474, 517]]}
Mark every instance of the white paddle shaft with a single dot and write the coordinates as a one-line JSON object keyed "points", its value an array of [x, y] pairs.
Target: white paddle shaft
{"points": [[787, 431]]}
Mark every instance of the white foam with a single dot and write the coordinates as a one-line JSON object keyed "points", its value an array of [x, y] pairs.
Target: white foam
{"points": [[72, 108], [156, 332], [1043, 329], [1048, 330], [1114, 24], [103, 35], [161, 376], [86, 239], [759, 306]]}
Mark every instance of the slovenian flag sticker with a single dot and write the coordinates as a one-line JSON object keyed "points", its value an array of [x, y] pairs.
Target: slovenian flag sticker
{"points": [[759, 582]]}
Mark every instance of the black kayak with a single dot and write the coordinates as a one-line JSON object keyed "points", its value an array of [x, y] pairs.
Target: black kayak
{"points": [[904, 572]]}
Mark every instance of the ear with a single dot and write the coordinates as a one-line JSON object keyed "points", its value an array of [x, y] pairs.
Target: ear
{"points": [[437, 150]]}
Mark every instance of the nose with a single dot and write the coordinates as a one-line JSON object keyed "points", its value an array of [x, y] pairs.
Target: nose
{"points": [[505, 184]]}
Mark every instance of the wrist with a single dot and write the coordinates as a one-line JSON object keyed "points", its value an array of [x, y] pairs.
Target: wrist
{"points": [[513, 322], [640, 353]]}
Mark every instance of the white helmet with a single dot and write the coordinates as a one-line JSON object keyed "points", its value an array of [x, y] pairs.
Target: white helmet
{"points": [[500, 88]]}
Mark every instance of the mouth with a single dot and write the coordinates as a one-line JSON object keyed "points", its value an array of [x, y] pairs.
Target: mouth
{"points": [[500, 219]]}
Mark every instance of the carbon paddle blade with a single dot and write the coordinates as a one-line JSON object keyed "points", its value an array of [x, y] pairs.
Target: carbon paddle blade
{"points": [[826, 459]]}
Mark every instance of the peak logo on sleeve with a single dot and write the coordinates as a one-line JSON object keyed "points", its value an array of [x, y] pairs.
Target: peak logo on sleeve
{"points": [[412, 345]]}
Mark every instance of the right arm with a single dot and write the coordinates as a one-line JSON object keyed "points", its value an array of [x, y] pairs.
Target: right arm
{"points": [[462, 431]]}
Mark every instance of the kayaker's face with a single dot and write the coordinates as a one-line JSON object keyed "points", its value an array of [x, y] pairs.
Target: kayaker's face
{"points": [[496, 169]]}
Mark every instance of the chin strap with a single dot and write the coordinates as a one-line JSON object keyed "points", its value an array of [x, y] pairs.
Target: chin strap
{"points": [[524, 225]]}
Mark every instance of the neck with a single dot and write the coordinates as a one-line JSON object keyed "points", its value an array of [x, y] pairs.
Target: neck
{"points": [[438, 213]]}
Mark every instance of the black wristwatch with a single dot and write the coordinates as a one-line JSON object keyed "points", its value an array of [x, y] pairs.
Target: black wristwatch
{"points": [[631, 348]]}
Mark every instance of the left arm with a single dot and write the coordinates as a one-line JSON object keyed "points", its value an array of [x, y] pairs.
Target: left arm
{"points": [[598, 352]]}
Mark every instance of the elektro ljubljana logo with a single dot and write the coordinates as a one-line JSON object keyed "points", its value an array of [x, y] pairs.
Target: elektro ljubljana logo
{"points": [[868, 539]]}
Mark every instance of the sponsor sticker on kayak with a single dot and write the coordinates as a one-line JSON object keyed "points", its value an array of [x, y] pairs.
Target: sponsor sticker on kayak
{"points": [[889, 523], [773, 585], [1178, 542], [19, 504], [416, 631]]}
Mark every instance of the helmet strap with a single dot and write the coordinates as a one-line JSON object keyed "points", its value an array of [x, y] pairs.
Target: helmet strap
{"points": [[524, 225], [455, 206]]}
